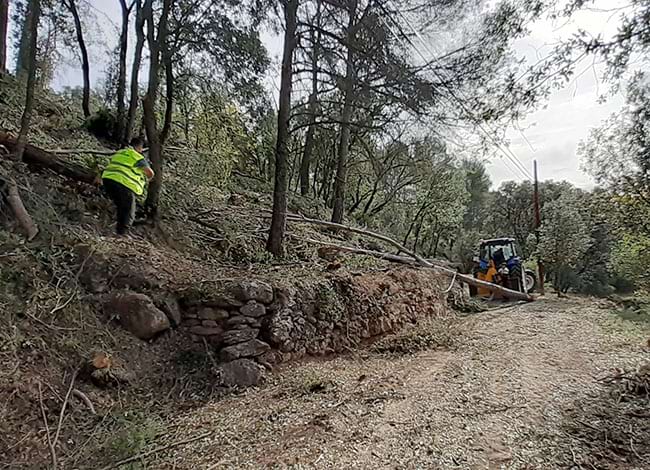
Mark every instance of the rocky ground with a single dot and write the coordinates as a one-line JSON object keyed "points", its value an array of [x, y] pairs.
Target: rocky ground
{"points": [[527, 386]]}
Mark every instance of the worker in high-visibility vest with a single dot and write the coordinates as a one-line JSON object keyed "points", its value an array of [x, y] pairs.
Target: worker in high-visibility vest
{"points": [[125, 178]]}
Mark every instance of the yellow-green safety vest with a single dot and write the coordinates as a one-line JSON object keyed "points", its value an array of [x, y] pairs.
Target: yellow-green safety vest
{"points": [[123, 170]]}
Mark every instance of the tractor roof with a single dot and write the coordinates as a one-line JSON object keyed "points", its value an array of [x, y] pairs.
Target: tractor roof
{"points": [[494, 241]]}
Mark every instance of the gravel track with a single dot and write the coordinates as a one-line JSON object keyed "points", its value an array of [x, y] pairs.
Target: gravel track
{"points": [[502, 396]]}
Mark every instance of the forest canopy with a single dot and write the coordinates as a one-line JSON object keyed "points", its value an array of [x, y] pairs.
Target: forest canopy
{"points": [[387, 111]]}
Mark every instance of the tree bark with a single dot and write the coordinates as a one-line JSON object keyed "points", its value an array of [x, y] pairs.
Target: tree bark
{"points": [[278, 221], [169, 93], [120, 122], [149, 104], [85, 63], [342, 160], [4, 21], [135, 71], [346, 116], [18, 208], [415, 219], [383, 255], [24, 44], [34, 9]]}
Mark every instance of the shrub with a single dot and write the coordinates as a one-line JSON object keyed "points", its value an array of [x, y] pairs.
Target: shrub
{"points": [[101, 124]]}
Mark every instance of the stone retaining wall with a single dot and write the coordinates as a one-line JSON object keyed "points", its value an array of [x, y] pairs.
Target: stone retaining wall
{"points": [[251, 319], [249, 323]]}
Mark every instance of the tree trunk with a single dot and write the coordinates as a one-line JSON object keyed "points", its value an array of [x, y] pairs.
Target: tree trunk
{"points": [[135, 71], [417, 236], [34, 9], [4, 21], [416, 218], [305, 163], [169, 93], [342, 159], [346, 116], [24, 46], [120, 122], [511, 294], [85, 64], [18, 208], [279, 218], [435, 247], [149, 103]]}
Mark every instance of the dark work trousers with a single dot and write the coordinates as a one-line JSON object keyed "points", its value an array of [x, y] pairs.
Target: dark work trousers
{"points": [[124, 200]]}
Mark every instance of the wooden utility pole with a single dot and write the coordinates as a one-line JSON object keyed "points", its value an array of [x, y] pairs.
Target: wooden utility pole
{"points": [[538, 223]]}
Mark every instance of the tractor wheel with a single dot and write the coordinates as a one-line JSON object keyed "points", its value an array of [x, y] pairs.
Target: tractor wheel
{"points": [[515, 279], [531, 281]]}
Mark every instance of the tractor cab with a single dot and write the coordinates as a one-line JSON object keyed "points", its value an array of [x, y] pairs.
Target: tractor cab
{"points": [[498, 262], [500, 250]]}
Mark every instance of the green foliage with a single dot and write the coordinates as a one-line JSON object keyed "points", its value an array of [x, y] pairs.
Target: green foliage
{"points": [[330, 304], [101, 124], [616, 155], [564, 240], [619, 51], [133, 432], [217, 141], [477, 183], [631, 259]]}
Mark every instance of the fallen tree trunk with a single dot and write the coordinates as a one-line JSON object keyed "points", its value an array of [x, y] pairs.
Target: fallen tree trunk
{"points": [[508, 293], [106, 153], [40, 158], [361, 251]]}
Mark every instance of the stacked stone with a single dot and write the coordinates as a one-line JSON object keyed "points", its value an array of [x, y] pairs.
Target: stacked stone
{"points": [[249, 324], [232, 322]]}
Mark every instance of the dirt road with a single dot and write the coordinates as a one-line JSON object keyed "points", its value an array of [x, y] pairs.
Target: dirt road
{"points": [[516, 389]]}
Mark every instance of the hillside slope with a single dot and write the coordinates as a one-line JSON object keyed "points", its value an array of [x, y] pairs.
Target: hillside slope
{"points": [[105, 339]]}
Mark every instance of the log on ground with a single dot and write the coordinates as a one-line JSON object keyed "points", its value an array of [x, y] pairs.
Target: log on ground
{"points": [[40, 158], [507, 293]]}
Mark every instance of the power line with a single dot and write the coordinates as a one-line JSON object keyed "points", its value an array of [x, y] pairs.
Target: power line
{"points": [[505, 151], [506, 162], [515, 160]]}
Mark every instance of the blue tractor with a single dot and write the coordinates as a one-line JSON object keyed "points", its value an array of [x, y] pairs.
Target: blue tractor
{"points": [[498, 262]]}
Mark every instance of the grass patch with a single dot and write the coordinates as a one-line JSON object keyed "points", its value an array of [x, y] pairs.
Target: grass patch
{"points": [[430, 334], [635, 316], [133, 432]]}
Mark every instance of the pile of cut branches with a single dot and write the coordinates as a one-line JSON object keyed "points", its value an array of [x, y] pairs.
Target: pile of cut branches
{"points": [[430, 334], [610, 429], [630, 383]]}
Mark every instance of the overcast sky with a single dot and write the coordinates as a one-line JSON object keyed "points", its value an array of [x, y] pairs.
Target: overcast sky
{"points": [[549, 135]]}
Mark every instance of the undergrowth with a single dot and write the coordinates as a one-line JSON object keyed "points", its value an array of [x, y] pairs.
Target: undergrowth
{"points": [[132, 433], [635, 308], [609, 429], [428, 334]]}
